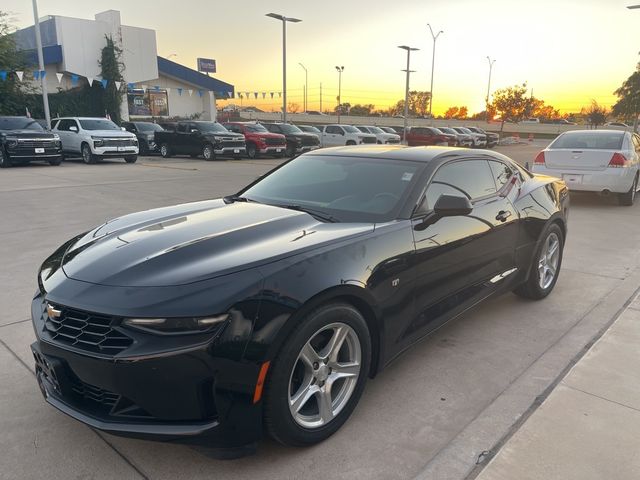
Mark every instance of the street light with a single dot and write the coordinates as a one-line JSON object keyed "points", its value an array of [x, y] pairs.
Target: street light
{"points": [[306, 86], [340, 70], [633, 7], [45, 97], [406, 89], [284, 21], [491, 62], [433, 61]]}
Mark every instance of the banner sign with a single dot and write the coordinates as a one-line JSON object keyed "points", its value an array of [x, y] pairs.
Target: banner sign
{"points": [[206, 65]]}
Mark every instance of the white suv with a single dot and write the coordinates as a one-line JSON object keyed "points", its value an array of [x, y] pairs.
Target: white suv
{"points": [[381, 135], [339, 135], [95, 138]]}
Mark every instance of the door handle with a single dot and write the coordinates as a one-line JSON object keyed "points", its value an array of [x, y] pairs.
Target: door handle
{"points": [[503, 215]]}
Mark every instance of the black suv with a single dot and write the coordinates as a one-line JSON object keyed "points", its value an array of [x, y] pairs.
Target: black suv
{"points": [[297, 140], [208, 139], [23, 140], [145, 133]]}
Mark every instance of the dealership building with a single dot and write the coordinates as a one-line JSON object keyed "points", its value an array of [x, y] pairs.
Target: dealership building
{"points": [[156, 86]]}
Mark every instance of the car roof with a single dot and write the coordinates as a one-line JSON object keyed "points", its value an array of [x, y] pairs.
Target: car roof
{"points": [[597, 132], [413, 154]]}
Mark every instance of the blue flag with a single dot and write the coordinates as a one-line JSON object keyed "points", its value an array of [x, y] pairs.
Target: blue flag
{"points": [[3, 75]]}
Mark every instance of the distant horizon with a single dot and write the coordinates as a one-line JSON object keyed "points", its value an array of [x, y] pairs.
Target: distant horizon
{"points": [[553, 46]]}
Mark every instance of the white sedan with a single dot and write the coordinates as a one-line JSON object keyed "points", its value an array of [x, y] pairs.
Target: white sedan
{"points": [[381, 135], [604, 161]]}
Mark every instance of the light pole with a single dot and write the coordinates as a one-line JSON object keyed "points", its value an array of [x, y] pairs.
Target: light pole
{"points": [[433, 62], [340, 70], [491, 62], [306, 86], [406, 89], [635, 120], [284, 21], [45, 97]]}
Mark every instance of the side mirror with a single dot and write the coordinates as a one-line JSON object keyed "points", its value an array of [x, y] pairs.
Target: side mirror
{"points": [[73, 128], [123, 129], [446, 206]]}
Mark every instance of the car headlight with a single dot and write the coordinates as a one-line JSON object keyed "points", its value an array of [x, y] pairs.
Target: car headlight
{"points": [[12, 141], [97, 141], [150, 138], [177, 325]]}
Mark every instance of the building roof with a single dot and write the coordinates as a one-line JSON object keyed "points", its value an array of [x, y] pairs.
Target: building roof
{"points": [[180, 72]]}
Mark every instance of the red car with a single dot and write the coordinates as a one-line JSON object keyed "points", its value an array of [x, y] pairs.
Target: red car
{"points": [[259, 140], [419, 136]]}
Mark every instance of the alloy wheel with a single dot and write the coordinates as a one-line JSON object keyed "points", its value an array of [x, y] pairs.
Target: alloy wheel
{"points": [[548, 261], [324, 375], [86, 154], [207, 152]]}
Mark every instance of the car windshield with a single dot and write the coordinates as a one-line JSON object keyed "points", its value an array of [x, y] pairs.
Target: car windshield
{"points": [[375, 130], [589, 140], [207, 127], [256, 128], [18, 123], [350, 189], [98, 124], [448, 130], [286, 128], [149, 127], [466, 130], [363, 129], [311, 129], [350, 129]]}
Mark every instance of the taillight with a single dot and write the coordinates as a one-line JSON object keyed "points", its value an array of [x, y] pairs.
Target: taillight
{"points": [[618, 161], [539, 160]]}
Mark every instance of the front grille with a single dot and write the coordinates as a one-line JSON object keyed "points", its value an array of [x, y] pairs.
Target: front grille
{"points": [[274, 141], [95, 394], [369, 140], [87, 331], [233, 144], [119, 142], [36, 143], [310, 140], [104, 402]]}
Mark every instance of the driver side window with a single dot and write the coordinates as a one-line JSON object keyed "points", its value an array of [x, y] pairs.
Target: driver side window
{"points": [[467, 178]]}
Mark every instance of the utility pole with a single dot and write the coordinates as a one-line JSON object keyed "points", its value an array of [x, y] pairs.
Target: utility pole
{"points": [[491, 62], [340, 70], [320, 97], [306, 82], [406, 90], [433, 63], [45, 96]]}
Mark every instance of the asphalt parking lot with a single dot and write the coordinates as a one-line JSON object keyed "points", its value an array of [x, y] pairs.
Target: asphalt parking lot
{"points": [[430, 415]]}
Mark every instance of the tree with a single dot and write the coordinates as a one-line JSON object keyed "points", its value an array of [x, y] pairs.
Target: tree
{"points": [[12, 98], [293, 107], [451, 112], [463, 113], [419, 102], [628, 105], [111, 69], [511, 103], [595, 114], [362, 110]]}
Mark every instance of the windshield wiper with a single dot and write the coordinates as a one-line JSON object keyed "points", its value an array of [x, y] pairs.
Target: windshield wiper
{"points": [[315, 213], [238, 198]]}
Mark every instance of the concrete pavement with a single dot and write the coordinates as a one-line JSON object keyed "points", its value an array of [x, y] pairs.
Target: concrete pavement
{"points": [[587, 428]]}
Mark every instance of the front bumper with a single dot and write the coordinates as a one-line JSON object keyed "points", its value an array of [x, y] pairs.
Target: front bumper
{"points": [[193, 395], [23, 154], [218, 150], [116, 151], [272, 150], [306, 148], [615, 180]]}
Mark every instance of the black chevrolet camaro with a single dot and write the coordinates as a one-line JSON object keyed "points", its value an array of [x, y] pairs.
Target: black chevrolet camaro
{"points": [[212, 321]]}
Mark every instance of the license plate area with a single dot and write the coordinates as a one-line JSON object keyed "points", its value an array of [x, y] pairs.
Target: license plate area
{"points": [[236, 150], [39, 150], [572, 178]]}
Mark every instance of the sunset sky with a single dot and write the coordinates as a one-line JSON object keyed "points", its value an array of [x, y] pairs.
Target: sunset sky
{"points": [[568, 51]]}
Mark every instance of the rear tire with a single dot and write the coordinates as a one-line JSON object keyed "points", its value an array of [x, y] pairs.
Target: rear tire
{"points": [[307, 370], [4, 160], [131, 159], [539, 284], [627, 199], [350, 142], [87, 155]]}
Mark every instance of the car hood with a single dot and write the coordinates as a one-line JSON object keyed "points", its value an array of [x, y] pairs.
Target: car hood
{"points": [[230, 135], [198, 241], [26, 134], [110, 133]]}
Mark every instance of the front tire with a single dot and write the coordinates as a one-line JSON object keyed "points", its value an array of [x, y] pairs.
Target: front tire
{"points": [[627, 199], [4, 159], [546, 265], [87, 155], [252, 151], [318, 377], [131, 159], [207, 152], [165, 151]]}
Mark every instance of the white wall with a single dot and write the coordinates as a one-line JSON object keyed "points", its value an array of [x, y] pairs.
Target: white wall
{"points": [[82, 42], [140, 54]]}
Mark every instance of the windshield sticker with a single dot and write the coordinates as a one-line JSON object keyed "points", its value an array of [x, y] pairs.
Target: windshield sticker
{"points": [[407, 176]]}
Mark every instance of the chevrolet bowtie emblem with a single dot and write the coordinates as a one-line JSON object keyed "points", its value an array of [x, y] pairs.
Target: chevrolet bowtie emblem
{"points": [[52, 311]]}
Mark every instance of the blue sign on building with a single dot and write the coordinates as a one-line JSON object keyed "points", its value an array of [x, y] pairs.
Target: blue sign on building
{"points": [[207, 65]]}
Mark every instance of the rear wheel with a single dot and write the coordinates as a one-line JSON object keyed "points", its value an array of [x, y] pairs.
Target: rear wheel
{"points": [[546, 265], [4, 159], [87, 155], [317, 379], [629, 197], [350, 142]]}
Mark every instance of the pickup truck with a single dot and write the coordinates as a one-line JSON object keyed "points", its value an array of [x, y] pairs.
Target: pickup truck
{"points": [[23, 140], [340, 135], [297, 140], [259, 140], [198, 138], [420, 136]]}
